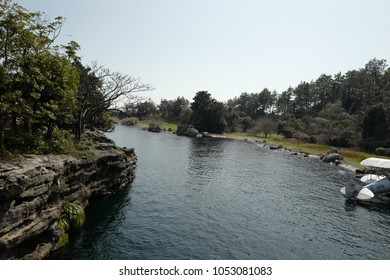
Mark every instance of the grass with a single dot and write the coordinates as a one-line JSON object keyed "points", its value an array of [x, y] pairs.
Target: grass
{"points": [[159, 122]]}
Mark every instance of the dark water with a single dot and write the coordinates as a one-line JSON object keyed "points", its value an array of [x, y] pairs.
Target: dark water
{"points": [[228, 199]]}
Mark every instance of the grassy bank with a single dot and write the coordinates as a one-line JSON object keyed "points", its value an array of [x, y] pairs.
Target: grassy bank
{"points": [[145, 123], [352, 156], [159, 122]]}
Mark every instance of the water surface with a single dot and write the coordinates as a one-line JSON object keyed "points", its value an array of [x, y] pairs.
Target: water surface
{"points": [[228, 199]]}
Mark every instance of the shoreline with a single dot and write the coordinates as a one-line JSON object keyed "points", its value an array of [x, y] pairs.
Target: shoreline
{"points": [[350, 166]]}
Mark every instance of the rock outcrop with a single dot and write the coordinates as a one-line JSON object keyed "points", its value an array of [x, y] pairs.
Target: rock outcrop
{"points": [[332, 156], [34, 188], [191, 131], [154, 128]]}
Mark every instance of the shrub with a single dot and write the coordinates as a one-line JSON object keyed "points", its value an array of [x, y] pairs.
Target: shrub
{"points": [[383, 151]]}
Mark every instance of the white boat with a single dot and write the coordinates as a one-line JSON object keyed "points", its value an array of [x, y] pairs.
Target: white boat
{"points": [[371, 185]]}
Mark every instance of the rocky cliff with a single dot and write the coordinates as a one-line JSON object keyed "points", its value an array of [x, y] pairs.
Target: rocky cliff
{"points": [[34, 189]]}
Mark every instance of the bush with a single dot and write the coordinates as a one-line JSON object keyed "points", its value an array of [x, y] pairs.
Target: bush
{"points": [[285, 129], [16, 143], [72, 218], [130, 121], [60, 143], [383, 151]]}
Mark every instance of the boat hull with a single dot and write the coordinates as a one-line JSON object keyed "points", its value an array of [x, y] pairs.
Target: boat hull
{"points": [[355, 190]]}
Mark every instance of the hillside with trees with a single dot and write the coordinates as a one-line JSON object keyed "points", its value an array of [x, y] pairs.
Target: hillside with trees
{"points": [[344, 110]]}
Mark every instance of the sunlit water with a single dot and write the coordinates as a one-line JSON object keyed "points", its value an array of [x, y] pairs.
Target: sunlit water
{"points": [[228, 199]]}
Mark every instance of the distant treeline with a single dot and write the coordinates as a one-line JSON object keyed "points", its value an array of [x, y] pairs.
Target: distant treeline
{"points": [[346, 110]]}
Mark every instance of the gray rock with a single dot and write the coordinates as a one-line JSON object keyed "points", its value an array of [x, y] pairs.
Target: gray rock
{"points": [[191, 132], [205, 134], [333, 157], [187, 130], [154, 128], [276, 147], [181, 129]]}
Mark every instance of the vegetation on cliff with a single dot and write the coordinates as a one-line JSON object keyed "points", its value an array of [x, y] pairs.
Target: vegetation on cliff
{"points": [[72, 218], [48, 97]]}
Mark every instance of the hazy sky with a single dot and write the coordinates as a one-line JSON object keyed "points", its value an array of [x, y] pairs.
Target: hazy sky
{"points": [[223, 46]]}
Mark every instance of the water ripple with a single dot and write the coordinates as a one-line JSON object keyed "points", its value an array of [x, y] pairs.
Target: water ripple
{"points": [[228, 199]]}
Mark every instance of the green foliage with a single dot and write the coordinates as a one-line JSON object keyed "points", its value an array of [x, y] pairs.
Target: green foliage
{"points": [[38, 83], [44, 88], [173, 110], [130, 121], [344, 109], [23, 143], [145, 109], [375, 128], [61, 142], [72, 217], [246, 123], [255, 104], [288, 126], [208, 114], [264, 125], [383, 151]]}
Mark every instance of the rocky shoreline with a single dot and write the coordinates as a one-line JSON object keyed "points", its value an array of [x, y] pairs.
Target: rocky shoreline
{"points": [[34, 190], [333, 156]]}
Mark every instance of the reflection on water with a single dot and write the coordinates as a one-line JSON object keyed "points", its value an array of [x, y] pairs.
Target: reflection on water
{"points": [[228, 199]]}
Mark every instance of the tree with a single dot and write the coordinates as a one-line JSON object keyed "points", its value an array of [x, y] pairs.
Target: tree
{"points": [[285, 102], [145, 109], [101, 90], [207, 113], [265, 125], [375, 129], [323, 92], [172, 109], [303, 99], [39, 81], [178, 105]]}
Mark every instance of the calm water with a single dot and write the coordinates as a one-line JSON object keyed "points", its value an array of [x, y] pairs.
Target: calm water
{"points": [[228, 199]]}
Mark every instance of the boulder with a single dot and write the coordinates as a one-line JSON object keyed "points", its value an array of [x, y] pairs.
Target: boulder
{"points": [[276, 147], [187, 130], [333, 157], [205, 134], [191, 132], [154, 128], [181, 129]]}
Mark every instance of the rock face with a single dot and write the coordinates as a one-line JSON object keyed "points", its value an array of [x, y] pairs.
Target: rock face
{"points": [[34, 188]]}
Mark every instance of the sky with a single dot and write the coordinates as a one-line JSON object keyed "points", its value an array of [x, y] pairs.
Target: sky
{"points": [[226, 47]]}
